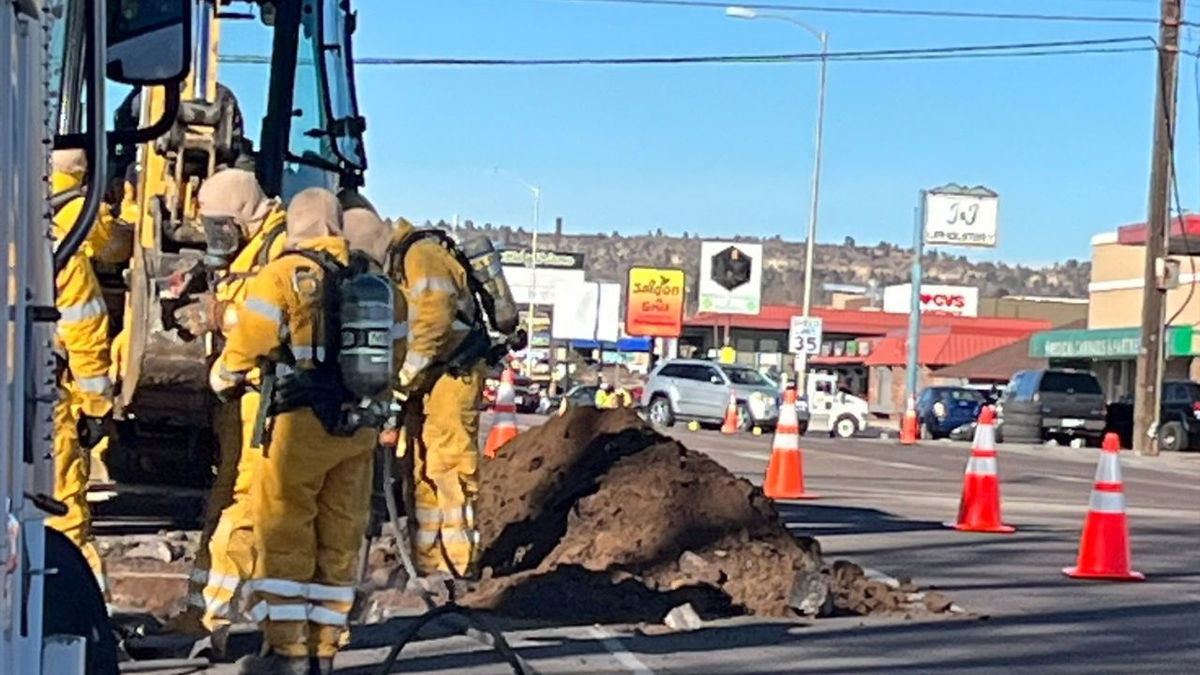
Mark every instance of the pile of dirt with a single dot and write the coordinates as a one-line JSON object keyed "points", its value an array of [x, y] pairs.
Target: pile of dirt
{"points": [[597, 512]]}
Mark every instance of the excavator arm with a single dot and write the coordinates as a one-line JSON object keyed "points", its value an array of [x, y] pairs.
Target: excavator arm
{"points": [[311, 134]]}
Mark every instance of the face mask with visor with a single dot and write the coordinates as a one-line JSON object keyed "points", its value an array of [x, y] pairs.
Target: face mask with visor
{"points": [[222, 239]]}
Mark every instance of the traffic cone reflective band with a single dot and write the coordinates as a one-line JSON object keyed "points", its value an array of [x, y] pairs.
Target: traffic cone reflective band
{"points": [[504, 416], [785, 472], [908, 428], [1104, 545], [731, 417], [979, 506]]}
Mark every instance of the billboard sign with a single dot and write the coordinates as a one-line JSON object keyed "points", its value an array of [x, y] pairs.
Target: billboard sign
{"points": [[522, 257], [935, 299], [654, 302], [730, 277], [587, 311], [959, 216], [540, 286]]}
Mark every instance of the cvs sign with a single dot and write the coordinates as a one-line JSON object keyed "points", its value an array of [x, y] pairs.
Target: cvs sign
{"points": [[935, 299]]}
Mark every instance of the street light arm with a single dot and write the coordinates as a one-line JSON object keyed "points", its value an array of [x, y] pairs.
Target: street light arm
{"points": [[537, 191], [818, 34]]}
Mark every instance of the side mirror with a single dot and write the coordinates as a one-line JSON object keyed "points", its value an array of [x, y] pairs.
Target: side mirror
{"points": [[149, 43], [715, 379]]}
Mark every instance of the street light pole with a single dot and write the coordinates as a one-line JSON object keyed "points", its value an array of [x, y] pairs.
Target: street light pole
{"points": [[530, 361], [818, 142], [536, 191]]}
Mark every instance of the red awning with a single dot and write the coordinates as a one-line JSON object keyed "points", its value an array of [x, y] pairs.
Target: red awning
{"points": [[865, 322], [1184, 239], [942, 348]]}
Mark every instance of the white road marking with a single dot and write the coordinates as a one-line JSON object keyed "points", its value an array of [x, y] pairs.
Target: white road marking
{"points": [[614, 647], [752, 455]]}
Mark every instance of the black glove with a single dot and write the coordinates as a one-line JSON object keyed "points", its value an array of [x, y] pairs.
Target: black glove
{"points": [[93, 429]]}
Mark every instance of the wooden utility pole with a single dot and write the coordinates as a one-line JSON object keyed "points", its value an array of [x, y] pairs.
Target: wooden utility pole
{"points": [[1151, 353]]}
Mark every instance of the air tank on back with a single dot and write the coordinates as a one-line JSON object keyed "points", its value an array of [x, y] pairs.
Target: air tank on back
{"points": [[485, 267], [365, 355]]}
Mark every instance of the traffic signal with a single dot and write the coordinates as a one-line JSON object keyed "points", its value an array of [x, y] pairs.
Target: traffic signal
{"points": [[731, 268]]}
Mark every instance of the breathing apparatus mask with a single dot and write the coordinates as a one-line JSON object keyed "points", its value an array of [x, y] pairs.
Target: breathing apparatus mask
{"points": [[222, 239]]}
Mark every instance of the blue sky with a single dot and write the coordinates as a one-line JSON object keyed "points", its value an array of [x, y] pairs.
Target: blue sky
{"points": [[727, 149]]}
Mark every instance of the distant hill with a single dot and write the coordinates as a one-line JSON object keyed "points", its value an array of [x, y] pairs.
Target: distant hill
{"points": [[609, 256]]}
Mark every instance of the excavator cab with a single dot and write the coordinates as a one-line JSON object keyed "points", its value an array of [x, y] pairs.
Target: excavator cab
{"points": [[311, 134]]}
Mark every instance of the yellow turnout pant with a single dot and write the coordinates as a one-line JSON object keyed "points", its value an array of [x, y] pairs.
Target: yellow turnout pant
{"points": [[443, 438], [72, 465], [310, 497]]}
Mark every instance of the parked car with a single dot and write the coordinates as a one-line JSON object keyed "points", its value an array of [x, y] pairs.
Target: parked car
{"points": [[1060, 405], [692, 389], [942, 410], [1179, 417]]}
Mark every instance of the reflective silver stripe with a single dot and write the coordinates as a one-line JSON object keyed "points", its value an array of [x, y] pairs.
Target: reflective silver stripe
{"points": [[786, 442], [456, 535], [983, 466], [416, 361], [94, 385], [429, 515], [400, 330], [306, 353], [1107, 502], [281, 587], [264, 309], [215, 607], [227, 374], [427, 536], [985, 437], [436, 284], [1109, 468], [89, 310], [228, 582], [323, 593], [326, 616], [263, 611]]}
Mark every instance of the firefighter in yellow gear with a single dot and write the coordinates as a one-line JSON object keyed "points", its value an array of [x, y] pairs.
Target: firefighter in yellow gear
{"points": [[441, 420], [224, 559], [109, 242], [83, 412], [310, 492]]}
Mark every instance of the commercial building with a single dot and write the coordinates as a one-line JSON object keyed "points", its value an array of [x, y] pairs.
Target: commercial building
{"points": [[1109, 344], [864, 348]]}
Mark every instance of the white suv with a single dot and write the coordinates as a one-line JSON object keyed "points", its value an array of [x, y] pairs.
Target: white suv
{"points": [[692, 389]]}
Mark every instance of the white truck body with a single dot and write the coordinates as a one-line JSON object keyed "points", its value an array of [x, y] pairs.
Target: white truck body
{"points": [[833, 411], [26, 376]]}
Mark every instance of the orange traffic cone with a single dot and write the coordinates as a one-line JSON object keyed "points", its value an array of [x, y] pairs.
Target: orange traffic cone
{"points": [[730, 426], [979, 506], [908, 428], [504, 416], [1104, 545], [785, 472]]}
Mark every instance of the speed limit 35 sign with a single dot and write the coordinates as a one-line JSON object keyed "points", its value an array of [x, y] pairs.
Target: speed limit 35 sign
{"points": [[804, 337]]}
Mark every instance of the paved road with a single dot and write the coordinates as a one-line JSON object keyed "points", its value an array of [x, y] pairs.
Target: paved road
{"points": [[882, 506]]}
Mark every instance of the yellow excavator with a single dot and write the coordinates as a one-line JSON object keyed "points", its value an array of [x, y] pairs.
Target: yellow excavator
{"points": [[311, 134]]}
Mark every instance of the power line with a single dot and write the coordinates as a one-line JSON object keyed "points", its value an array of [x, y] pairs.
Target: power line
{"points": [[1059, 47], [886, 11]]}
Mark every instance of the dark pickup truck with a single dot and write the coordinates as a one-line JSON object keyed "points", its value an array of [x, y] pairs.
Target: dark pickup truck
{"points": [[1179, 417], [1059, 405]]}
